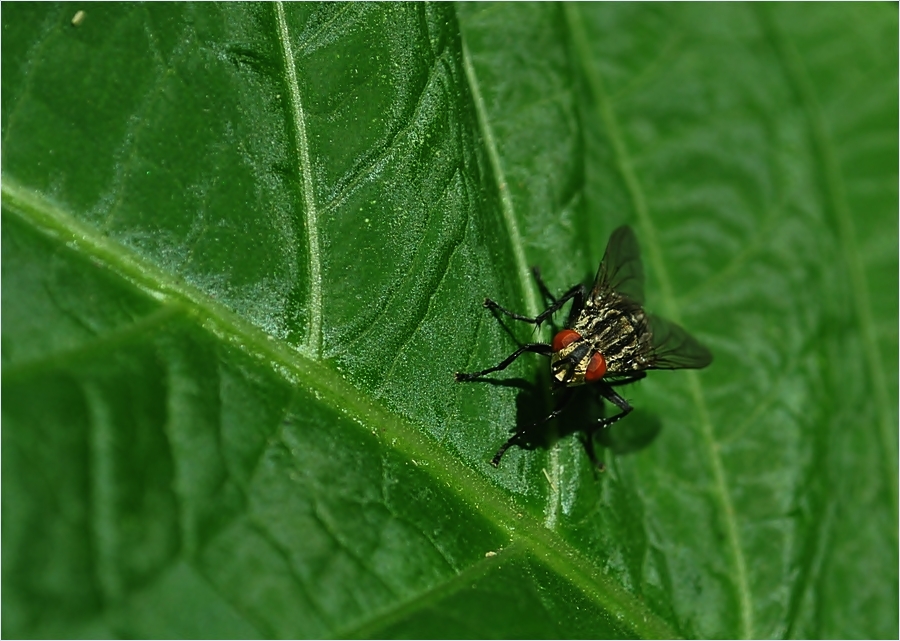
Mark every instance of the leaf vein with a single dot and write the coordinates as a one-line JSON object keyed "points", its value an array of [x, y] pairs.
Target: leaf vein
{"points": [[118, 337], [626, 169], [516, 240], [493, 504], [308, 591], [314, 336], [835, 193], [506, 204], [433, 595], [371, 165], [444, 270]]}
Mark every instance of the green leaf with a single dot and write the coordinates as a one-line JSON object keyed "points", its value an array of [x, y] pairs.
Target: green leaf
{"points": [[245, 249]]}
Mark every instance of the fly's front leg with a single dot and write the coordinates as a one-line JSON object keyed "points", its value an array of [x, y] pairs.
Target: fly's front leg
{"points": [[537, 348], [576, 293]]}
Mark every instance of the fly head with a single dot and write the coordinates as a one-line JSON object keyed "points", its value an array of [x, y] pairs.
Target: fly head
{"points": [[575, 360]]}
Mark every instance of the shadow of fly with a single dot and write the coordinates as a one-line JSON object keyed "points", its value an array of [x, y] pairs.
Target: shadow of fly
{"points": [[608, 340]]}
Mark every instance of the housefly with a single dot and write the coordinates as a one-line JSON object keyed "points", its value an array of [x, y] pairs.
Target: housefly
{"points": [[608, 339]]}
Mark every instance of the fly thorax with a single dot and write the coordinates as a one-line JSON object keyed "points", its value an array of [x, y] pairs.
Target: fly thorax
{"points": [[625, 341]]}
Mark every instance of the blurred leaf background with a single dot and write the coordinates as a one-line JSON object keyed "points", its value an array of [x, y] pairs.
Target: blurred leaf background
{"points": [[245, 248]]}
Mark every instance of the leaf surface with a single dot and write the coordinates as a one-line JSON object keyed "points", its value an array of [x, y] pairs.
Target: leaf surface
{"points": [[245, 249]]}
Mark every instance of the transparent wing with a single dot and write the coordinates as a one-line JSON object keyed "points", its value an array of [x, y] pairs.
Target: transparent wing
{"points": [[621, 269], [673, 348]]}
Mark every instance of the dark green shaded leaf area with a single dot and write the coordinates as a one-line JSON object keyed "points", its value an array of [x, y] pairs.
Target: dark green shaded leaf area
{"points": [[245, 248]]}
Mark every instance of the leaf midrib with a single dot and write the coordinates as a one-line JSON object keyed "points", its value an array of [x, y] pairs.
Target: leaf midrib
{"points": [[471, 487]]}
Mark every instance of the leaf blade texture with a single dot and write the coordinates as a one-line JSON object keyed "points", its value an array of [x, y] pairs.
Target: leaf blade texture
{"points": [[245, 249]]}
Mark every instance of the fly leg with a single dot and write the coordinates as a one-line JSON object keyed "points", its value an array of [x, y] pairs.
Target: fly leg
{"points": [[537, 348], [577, 304], [520, 432], [606, 391], [545, 291], [576, 293], [590, 450]]}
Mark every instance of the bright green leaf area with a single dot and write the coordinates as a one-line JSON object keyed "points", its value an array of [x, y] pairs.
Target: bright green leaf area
{"points": [[245, 248]]}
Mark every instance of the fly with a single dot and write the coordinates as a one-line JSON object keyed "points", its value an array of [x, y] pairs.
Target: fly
{"points": [[608, 340]]}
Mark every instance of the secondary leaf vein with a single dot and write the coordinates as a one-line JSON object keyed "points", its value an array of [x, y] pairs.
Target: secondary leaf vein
{"points": [[506, 204], [516, 241], [636, 194], [314, 336], [836, 194]]}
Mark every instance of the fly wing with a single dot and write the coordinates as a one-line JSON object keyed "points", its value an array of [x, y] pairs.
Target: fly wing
{"points": [[621, 269], [673, 348]]}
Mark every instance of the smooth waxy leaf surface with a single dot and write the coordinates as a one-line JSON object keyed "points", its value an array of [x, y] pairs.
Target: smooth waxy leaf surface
{"points": [[245, 249]]}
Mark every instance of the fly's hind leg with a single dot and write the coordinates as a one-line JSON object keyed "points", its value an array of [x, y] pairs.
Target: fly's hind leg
{"points": [[591, 450]]}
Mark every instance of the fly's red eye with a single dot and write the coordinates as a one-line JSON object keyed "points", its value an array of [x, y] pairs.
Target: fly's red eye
{"points": [[563, 338], [596, 368]]}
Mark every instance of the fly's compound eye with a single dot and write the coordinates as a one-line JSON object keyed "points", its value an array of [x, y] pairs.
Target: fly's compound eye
{"points": [[596, 368], [565, 337]]}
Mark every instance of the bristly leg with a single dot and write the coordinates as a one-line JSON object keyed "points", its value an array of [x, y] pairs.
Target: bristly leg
{"points": [[537, 348], [576, 293], [605, 390], [545, 291], [587, 440], [613, 397]]}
